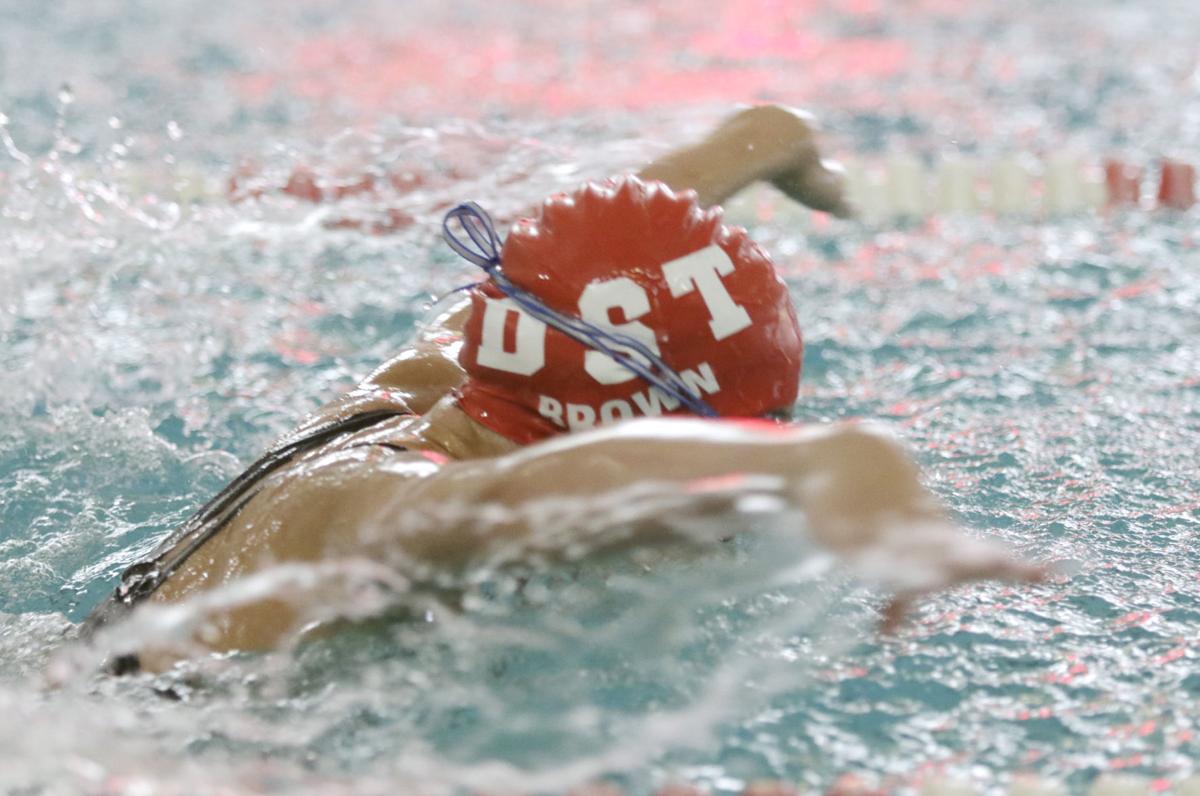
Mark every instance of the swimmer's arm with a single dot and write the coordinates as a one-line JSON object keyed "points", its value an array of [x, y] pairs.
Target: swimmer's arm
{"points": [[769, 143], [593, 492], [857, 487]]}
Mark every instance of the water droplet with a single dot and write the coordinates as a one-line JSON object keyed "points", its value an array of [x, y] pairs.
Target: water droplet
{"points": [[65, 95], [174, 131], [114, 122]]}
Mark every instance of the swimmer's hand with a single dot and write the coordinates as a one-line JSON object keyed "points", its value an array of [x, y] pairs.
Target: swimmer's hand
{"points": [[766, 142], [781, 144], [940, 557], [863, 497], [821, 185]]}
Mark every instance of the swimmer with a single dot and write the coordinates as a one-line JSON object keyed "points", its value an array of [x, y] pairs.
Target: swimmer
{"points": [[623, 338]]}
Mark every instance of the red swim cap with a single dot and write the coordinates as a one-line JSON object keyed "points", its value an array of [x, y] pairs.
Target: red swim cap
{"points": [[637, 258]]}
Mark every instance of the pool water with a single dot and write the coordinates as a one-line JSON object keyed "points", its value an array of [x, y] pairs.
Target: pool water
{"points": [[155, 336]]}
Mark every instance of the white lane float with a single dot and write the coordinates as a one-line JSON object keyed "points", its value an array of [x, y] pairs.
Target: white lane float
{"points": [[1011, 187], [1119, 785], [957, 186], [907, 187]]}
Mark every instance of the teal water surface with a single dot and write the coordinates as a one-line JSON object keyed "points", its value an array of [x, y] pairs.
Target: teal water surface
{"points": [[1044, 373]]}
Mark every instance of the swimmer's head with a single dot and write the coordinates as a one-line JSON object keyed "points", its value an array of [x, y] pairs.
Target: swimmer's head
{"points": [[636, 258]]}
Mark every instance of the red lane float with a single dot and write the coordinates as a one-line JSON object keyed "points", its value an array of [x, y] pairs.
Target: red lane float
{"points": [[1123, 183], [1177, 185], [304, 184], [680, 790]]}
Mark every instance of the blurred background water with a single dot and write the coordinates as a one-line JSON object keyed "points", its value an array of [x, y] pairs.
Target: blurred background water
{"points": [[156, 335]]}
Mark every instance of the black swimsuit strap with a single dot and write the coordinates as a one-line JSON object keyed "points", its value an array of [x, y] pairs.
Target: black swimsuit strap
{"points": [[142, 579]]}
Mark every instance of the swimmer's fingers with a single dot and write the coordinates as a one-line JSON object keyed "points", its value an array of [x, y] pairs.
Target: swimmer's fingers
{"points": [[1002, 566], [895, 612], [818, 184]]}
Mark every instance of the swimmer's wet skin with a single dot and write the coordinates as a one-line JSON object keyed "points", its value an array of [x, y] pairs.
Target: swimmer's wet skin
{"points": [[611, 308]]}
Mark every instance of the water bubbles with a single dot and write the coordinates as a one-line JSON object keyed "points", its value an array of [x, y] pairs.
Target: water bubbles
{"points": [[66, 96], [68, 145], [115, 123], [174, 131]]}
